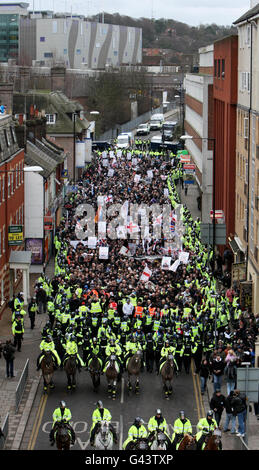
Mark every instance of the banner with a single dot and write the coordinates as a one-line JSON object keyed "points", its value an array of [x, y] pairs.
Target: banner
{"points": [[124, 251]]}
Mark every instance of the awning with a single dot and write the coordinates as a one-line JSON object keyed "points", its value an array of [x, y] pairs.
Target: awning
{"points": [[236, 245]]}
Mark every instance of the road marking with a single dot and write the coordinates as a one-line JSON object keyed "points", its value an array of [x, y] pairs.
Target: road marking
{"points": [[37, 422], [122, 389], [121, 432], [195, 392]]}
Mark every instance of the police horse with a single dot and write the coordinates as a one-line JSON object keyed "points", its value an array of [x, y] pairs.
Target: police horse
{"points": [[133, 368], [47, 367], [167, 373], [103, 436]]}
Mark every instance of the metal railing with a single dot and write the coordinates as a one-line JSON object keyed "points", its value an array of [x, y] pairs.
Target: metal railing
{"points": [[21, 385], [5, 429]]}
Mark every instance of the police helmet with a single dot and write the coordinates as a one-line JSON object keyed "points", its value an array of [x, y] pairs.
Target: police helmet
{"points": [[210, 414], [99, 404], [62, 404]]}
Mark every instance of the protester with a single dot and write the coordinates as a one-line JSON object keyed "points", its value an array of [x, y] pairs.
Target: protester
{"points": [[9, 355]]}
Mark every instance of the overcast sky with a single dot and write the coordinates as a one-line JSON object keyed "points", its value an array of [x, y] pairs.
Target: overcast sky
{"points": [[192, 12]]}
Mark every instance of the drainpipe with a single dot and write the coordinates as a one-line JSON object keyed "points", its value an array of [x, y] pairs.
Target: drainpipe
{"points": [[249, 147]]}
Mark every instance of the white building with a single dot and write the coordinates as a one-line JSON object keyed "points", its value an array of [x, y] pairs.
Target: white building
{"points": [[199, 125]]}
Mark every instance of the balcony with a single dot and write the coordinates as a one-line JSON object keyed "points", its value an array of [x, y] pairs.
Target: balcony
{"points": [[256, 254]]}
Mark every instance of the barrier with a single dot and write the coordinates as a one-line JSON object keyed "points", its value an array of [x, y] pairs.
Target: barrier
{"points": [[4, 429], [21, 385]]}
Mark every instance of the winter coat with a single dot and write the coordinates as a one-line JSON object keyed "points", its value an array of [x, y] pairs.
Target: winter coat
{"points": [[217, 402]]}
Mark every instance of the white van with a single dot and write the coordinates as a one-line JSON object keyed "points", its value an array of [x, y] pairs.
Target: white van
{"points": [[156, 121], [124, 140]]}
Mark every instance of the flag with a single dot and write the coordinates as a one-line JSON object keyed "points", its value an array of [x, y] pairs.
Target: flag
{"points": [[173, 219]]}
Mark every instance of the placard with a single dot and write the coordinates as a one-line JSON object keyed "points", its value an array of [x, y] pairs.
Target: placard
{"points": [[166, 262], [184, 257], [175, 266], [146, 274], [103, 252], [92, 242]]}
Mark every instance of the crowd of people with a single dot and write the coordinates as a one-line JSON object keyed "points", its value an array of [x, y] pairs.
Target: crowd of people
{"points": [[103, 306]]}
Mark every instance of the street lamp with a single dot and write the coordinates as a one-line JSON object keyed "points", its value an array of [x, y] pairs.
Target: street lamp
{"points": [[94, 114], [212, 139]]}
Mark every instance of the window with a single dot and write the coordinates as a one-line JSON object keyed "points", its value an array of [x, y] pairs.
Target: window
{"points": [[7, 138], [78, 51], [223, 69], [3, 238], [65, 51], [246, 128], [54, 27], [48, 54], [51, 118], [0, 242], [13, 134], [215, 67], [42, 39], [218, 68], [3, 188], [9, 185]]}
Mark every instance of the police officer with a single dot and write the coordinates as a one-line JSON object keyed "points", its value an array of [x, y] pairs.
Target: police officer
{"points": [[62, 413], [101, 414]]}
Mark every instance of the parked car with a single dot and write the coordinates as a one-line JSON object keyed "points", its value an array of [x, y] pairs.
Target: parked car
{"points": [[143, 129]]}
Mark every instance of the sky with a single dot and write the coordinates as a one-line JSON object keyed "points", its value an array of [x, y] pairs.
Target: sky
{"points": [[191, 12]]}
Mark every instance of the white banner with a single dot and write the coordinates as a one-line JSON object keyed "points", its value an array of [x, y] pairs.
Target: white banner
{"points": [[124, 251]]}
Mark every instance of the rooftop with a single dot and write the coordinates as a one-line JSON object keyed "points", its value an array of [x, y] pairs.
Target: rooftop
{"points": [[248, 15]]}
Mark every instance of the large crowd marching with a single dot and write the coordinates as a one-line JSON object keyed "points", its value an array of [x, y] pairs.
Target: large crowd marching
{"points": [[130, 301]]}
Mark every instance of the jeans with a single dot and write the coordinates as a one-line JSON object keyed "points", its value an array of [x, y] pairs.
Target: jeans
{"points": [[203, 383], [9, 367], [232, 419], [217, 379], [241, 421], [231, 385]]}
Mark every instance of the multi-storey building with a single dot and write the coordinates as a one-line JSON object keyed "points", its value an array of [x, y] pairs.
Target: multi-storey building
{"points": [[11, 201], [247, 149], [199, 125], [225, 101], [44, 37]]}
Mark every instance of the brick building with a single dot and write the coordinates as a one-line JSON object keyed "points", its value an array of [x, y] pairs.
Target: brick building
{"points": [[225, 105], [11, 199]]}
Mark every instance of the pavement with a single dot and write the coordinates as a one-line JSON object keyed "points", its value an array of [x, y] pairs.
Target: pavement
{"points": [[30, 350]]}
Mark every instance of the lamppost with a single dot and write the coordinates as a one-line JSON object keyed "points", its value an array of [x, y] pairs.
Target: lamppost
{"points": [[209, 139], [94, 114]]}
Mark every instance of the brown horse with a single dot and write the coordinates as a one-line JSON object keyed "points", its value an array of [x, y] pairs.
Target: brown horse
{"points": [[213, 440], [70, 369], [62, 435], [167, 373], [133, 368], [47, 368], [95, 369], [187, 443], [111, 376]]}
